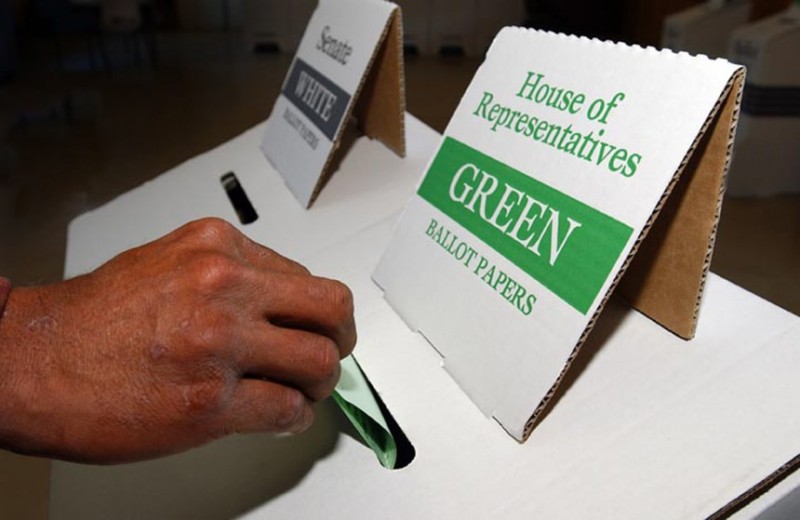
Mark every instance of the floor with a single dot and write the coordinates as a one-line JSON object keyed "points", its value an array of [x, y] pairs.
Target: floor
{"points": [[72, 138]]}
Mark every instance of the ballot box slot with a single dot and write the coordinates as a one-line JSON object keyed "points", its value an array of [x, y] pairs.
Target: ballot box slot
{"points": [[372, 422], [405, 450], [239, 199]]}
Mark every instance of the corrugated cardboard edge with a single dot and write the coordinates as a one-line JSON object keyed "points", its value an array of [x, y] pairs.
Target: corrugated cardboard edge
{"points": [[383, 85], [759, 489], [381, 106], [665, 279], [729, 103]]}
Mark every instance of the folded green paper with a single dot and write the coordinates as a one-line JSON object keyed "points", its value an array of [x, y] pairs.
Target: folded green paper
{"points": [[354, 396]]}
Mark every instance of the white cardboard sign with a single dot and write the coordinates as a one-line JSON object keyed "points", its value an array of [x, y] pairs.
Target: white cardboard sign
{"points": [[552, 170], [348, 64]]}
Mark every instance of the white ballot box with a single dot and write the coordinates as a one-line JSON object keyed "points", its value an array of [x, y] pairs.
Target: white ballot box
{"points": [[705, 28], [646, 425], [766, 159]]}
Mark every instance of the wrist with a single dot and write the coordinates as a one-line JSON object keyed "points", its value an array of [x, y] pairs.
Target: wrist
{"points": [[24, 424]]}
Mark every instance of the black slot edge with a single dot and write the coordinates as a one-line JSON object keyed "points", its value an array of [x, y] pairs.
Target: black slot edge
{"points": [[239, 200], [405, 450]]}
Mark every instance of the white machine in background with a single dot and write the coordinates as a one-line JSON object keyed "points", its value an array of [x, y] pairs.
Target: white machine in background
{"points": [[705, 28], [766, 158]]}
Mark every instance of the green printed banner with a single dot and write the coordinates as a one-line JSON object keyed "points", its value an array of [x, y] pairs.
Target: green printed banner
{"points": [[565, 245]]}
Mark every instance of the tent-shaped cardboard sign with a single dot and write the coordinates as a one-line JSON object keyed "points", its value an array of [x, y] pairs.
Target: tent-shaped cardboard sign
{"points": [[349, 66], [564, 159]]}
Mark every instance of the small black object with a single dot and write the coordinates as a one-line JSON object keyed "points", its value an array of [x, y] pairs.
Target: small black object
{"points": [[244, 209], [266, 48], [451, 50]]}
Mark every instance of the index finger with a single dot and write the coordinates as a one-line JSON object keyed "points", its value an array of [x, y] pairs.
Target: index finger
{"points": [[311, 303]]}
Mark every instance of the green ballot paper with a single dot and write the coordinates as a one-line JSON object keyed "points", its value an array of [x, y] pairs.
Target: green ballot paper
{"points": [[354, 396]]}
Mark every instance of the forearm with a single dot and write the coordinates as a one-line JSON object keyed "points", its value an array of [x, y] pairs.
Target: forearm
{"points": [[51, 384], [56, 394]]}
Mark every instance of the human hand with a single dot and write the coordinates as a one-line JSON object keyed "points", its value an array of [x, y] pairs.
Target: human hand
{"points": [[194, 336]]}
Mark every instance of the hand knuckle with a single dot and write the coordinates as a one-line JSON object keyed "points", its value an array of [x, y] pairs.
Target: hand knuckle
{"points": [[327, 386], [324, 368], [273, 259], [298, 268], [213, 228], [341, 299], [214, 271], [206, 396], [211, 332], [290, 409], [326, 358]]}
